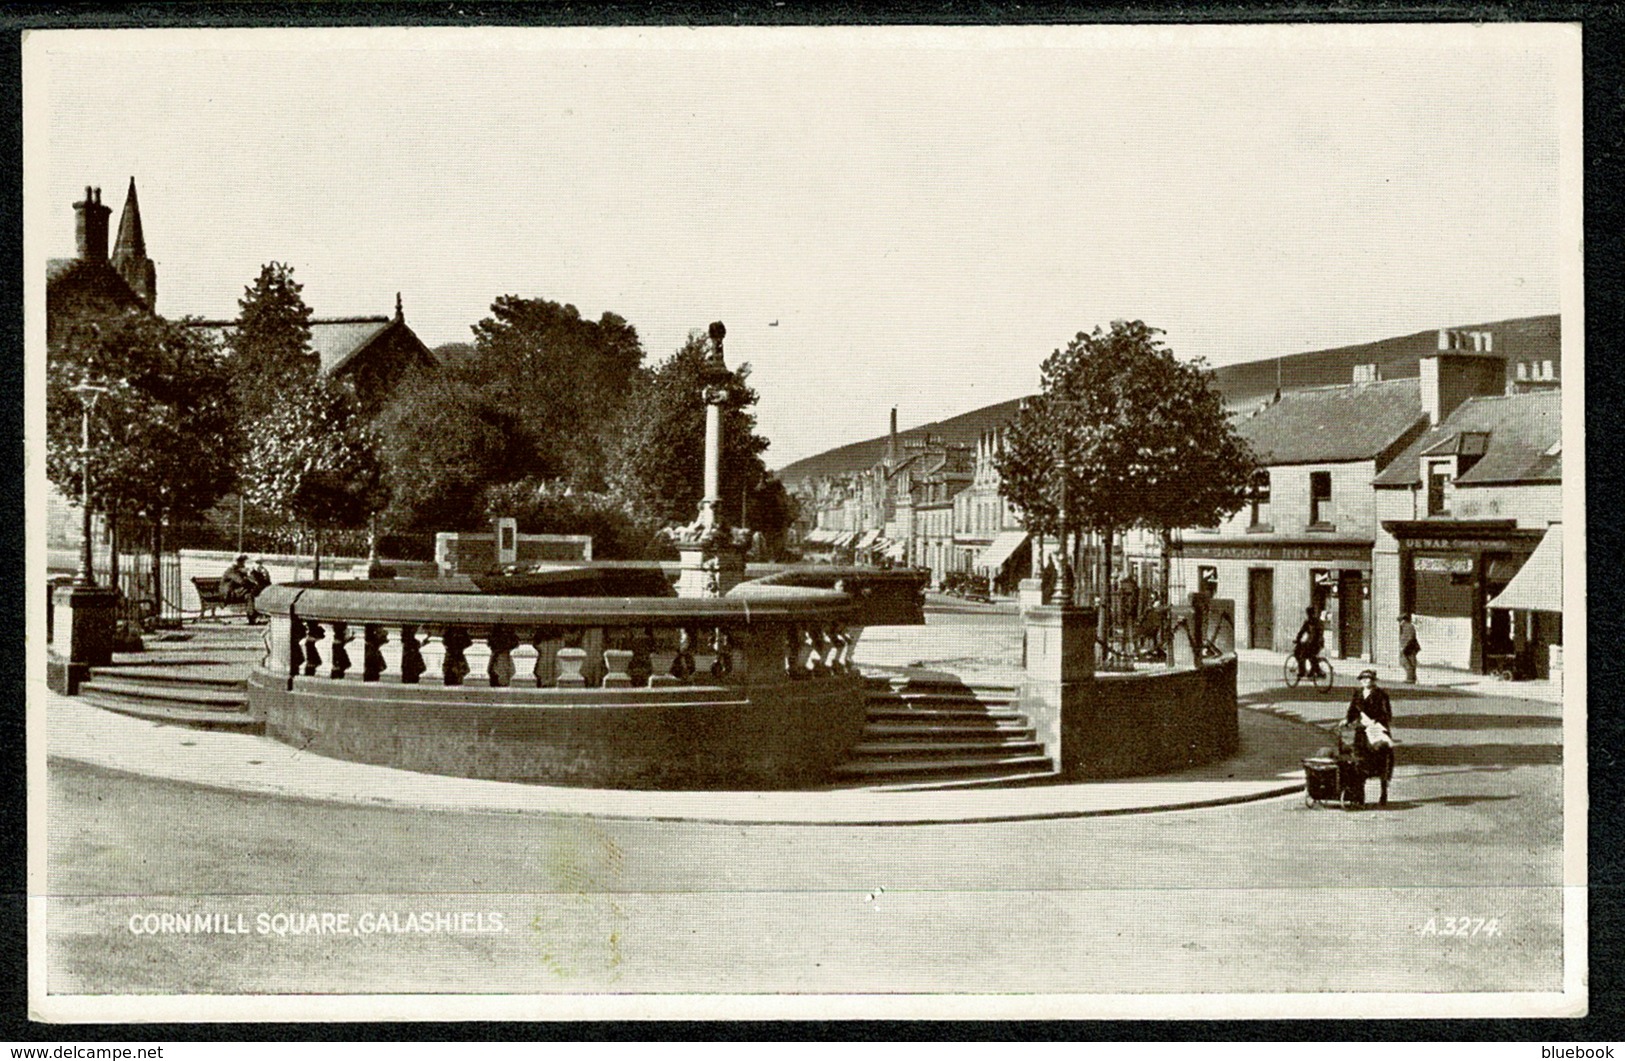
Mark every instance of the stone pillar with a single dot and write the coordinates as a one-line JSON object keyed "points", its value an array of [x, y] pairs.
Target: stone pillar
{"points": [[83, 630], [1059, 648], [506, 534], [1030, 594]]}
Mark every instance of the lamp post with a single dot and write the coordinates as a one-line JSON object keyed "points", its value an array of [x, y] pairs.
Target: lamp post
{"points": [[88, 392], [1067, 584]]}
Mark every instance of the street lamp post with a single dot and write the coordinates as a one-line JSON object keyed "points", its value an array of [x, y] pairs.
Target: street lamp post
{"points": [[1067, 585], [88, 392]]}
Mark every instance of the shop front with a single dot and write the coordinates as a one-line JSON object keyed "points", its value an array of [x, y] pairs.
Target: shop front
{"points": [[1449, 573], [1275, 582]]}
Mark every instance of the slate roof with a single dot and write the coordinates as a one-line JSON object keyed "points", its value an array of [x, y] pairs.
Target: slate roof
{"points": [[1353, 422], [336, 340], [1525, 431]]}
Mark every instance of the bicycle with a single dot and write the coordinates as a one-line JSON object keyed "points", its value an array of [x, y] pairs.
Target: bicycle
{"points": [[1323, 681]]}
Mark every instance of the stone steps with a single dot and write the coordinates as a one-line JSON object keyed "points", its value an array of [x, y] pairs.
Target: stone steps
{"points": [[964, 768], [943, 734]]}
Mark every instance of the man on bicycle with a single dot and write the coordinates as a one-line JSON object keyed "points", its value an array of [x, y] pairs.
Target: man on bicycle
{"points": [[1310, 641]]}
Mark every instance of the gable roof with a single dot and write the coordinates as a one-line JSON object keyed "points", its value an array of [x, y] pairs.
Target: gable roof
{"points": [[1523, 446], [1352, 422], [337, 341], [95, 274]]}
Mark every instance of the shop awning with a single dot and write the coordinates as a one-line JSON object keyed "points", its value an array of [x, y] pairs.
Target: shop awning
{"points": [[866, 540], [818, 535], [999, 552], [897, 548], [1538, 585]]}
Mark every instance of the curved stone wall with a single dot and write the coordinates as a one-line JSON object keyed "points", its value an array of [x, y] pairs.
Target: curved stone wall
{"points": [[750, 691], [1150, 722]]}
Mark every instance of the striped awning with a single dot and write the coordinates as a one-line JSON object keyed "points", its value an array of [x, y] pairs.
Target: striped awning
{"points": [[867, 539], [1000, 550], [897, 548], [1538, 585]]}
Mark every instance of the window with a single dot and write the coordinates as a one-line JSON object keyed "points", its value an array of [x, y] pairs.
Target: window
{"points": [[1320, 497], [1207, 580], [1260, 499], [1438, 478]]}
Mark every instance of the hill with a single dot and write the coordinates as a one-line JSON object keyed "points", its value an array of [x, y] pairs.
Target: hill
{"points": [[1243, 385]]}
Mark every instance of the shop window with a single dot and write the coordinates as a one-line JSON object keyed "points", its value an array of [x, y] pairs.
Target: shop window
{"points": [[1320, 497], [1259, 499], [1444, 586], [1438, 479]]}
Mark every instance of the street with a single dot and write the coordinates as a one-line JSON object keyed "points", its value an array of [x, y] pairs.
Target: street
{"points": [[1263, 896]]}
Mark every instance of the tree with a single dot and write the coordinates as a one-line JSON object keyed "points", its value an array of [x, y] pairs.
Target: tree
{"points": [[270, 343], [565, 380], [659, 463], [313, 459], [1142, 437], [550, 507], [446, 442], [164, 435]]}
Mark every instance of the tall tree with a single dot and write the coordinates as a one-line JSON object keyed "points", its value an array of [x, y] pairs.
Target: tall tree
{"points": [[1141, 436], [164, 436], [660, 460], [565, 378], [270, 343], [313, 459]]}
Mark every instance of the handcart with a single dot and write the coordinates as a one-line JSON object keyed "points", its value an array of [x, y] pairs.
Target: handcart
{"points": [[1322, 776]]}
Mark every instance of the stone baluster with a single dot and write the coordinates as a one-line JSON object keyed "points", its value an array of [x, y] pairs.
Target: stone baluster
{"points": [[499, 672], [545, 639], [617, 662], [412, 665], [296, 654], [723, 665], [815, 646], [849, 647], [454, 668], [836, 634], [571, 659], [373, 640], [341, 655], [682, 667], [641, 667], [313, 658]]}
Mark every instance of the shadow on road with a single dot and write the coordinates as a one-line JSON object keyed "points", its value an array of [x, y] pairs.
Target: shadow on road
{"points": [[1471, 721], [1436, 801], [1480, 755]]}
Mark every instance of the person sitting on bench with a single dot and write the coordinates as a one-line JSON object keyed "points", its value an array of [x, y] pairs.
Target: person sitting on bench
{"points": [[238, 587]]}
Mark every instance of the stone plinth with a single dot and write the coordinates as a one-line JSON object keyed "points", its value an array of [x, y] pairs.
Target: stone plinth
{"points": [[82, 631], [1058, 645], [709, 571]]}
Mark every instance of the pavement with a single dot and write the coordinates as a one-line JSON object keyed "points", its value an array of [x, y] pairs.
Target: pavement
{"points": [[1276, 735]]}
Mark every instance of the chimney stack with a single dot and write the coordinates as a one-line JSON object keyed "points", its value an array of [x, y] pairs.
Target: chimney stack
{"points": [[1448, 379], [91, 227], [891, 444]]}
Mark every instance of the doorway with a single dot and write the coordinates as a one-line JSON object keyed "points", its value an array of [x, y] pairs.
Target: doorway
{"points": [[1261, 607], [1351, 615]]}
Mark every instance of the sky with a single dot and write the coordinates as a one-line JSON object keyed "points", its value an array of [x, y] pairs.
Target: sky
{"points": [[901, 217]]}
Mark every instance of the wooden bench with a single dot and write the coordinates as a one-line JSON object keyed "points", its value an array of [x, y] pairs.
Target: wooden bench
{"points": [[211, 597]]}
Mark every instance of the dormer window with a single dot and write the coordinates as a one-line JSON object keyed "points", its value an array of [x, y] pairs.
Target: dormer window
{"points": [[1470, 447]]}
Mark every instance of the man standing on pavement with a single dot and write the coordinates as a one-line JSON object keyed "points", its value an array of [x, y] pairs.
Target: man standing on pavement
{"points": [[1409, 647]]}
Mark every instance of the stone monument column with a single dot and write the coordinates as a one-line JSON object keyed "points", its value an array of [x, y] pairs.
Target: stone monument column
{"points": [[713, 555]]}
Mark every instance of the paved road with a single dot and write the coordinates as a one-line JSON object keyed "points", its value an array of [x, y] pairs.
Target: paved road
{"points": [[1271, 896]]}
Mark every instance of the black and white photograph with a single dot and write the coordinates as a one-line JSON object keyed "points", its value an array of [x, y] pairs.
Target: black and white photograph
{"points": [[758, 522]]}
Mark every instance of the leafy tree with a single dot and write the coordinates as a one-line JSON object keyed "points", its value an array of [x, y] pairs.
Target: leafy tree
{"points": [[313, 459], [565, 380], [446, 441], [660, 460], [1144, 438], [164, 436], [271, 341]]}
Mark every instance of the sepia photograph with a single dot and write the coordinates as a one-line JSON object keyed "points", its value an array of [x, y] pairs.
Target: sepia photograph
{"points": [[805, 522]]}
